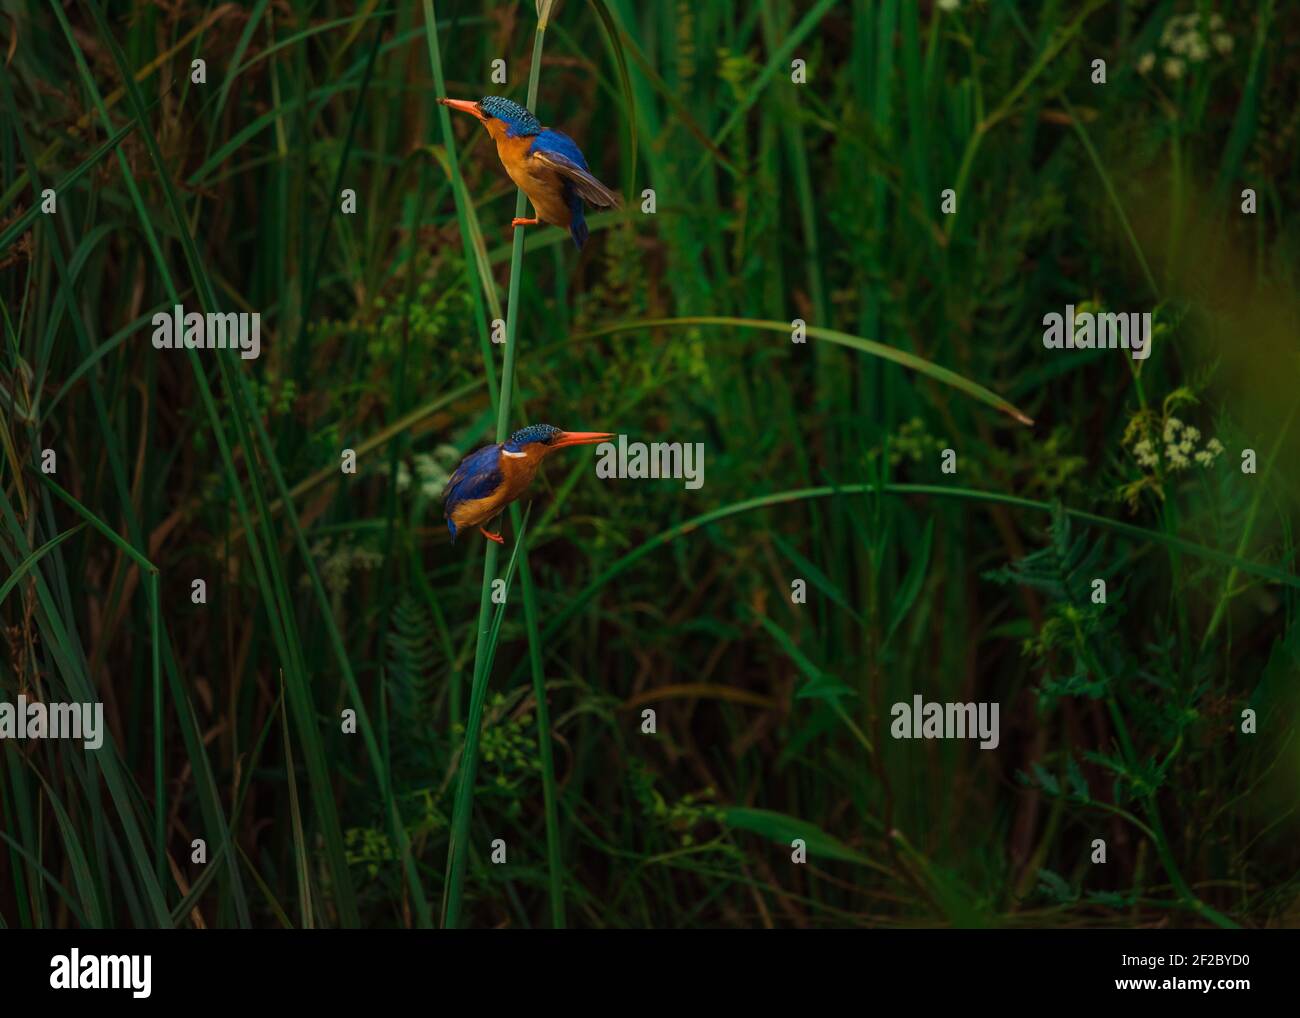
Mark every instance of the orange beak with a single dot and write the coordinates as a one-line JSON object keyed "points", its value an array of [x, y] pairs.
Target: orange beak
{"points": [[465, 106], [566, 438]]}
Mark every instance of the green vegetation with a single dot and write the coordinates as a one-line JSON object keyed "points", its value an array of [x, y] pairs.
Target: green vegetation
{"points": [[330, 592]]}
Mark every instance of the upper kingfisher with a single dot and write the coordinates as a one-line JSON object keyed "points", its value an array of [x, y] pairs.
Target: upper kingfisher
{"points": [[546, 165], [489, 479]]}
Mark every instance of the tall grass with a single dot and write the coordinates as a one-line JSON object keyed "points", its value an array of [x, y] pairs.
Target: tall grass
{"points": [[330, 592], [458, 846]]}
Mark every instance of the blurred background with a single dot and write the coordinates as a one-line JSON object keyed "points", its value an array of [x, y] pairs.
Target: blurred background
{"points": [[775, 199]]}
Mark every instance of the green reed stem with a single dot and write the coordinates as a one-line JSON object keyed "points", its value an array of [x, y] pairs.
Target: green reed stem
{"points": [[457, 850]]}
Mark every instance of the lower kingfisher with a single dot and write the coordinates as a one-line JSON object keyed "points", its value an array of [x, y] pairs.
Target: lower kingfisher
{"points": [[489, 479], [546, 165]]}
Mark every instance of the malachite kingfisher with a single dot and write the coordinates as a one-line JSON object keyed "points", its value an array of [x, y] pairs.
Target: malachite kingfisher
{"points": [[547, 165], [490, 478]]}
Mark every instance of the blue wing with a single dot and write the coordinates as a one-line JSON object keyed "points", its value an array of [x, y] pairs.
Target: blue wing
{"points": [[478, 475], [561, 153], [558, 144]]}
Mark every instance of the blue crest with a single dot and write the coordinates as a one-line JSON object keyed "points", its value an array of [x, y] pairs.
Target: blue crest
{"points": [[544, 433], [522, 123]]}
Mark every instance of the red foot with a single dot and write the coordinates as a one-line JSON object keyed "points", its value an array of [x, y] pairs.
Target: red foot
{"points": [[525, 222], [491, 536]]}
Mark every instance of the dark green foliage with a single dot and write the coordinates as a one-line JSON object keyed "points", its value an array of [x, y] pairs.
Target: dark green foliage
{"points": [[330, 592]]}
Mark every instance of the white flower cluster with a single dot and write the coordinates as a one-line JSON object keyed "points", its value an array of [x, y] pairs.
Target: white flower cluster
{"points": [[338, 563], [1180, 447], [1187, 39], [433, 470]]}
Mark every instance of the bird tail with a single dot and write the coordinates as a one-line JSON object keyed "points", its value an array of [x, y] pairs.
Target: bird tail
{"points": [[577, 221], [578, 229]]}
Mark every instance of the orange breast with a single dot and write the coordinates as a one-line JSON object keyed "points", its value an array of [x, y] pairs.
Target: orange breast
{"points": [[517, 474], [543, 185], [477, 512], [519, 471]]}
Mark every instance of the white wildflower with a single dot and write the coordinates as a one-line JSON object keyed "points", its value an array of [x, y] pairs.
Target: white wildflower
{"points": [[1144, 453], [433, 475], [1145, 62], [1173, 68], [364, 558]]}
